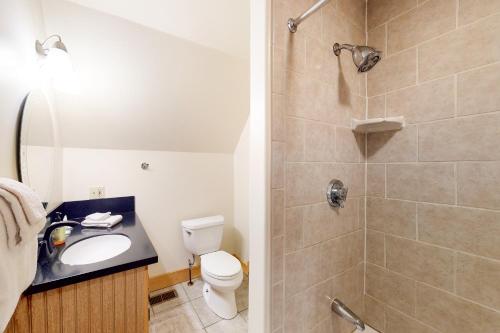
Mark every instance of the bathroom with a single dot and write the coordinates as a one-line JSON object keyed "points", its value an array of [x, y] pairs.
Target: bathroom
{"points": [[347, 149]]}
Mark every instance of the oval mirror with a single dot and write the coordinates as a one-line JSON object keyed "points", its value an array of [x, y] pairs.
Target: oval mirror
{"points": [[36, 145]]}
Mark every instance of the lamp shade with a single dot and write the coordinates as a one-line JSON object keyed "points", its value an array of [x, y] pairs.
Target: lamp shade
{"points": [[58, 68]]}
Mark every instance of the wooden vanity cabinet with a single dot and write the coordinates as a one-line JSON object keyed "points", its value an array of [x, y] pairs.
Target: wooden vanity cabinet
{"points": [[113, 303]]}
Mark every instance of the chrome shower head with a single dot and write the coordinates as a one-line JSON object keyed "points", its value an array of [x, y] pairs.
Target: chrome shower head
{"points": [[364, 57]]}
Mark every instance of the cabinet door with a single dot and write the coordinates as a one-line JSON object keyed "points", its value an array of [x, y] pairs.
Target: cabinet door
{"points": [[113, 303]]}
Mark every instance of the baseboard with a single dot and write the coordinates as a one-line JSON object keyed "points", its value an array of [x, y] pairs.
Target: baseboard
{"points": [[173, 278], [244, 265]]}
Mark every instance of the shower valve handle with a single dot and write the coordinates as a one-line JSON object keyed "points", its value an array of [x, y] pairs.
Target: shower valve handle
{"points": [[336, 193]]}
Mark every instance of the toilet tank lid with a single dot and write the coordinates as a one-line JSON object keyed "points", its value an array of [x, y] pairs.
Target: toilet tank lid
{"points": [[203, 222]]}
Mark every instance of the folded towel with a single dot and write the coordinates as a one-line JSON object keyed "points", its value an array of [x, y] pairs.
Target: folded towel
{"points": [[107, 223], [98, 216], [22, 211]]}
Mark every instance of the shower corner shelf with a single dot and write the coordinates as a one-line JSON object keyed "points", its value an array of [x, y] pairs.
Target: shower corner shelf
{"points": [[378, 124]]}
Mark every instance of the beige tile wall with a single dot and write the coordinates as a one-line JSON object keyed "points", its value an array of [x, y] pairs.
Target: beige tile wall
{"points": [[433, 202], [316, 250]]}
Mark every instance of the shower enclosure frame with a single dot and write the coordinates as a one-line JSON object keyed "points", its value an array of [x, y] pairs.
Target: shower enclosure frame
{"points": [[260, 169]]}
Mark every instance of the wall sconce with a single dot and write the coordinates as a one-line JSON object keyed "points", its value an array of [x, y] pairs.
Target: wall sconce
{"points": [[43, 51], [57, 65]]}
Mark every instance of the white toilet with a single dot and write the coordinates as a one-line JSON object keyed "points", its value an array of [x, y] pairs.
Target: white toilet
{"points": [[221, 271]]}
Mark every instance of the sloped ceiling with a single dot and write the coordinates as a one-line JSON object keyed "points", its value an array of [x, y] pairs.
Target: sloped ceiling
{"points": [[145, 87], [220, 24]]}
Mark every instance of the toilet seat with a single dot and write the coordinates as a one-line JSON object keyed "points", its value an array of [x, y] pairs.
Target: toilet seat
{"points": [[220, 265]]}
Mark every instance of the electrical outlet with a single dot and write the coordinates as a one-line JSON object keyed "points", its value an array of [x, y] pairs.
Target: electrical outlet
{"points": [[96, 192]]}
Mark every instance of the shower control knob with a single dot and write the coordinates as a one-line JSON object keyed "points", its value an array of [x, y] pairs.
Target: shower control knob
{"points": [[336, 193]]}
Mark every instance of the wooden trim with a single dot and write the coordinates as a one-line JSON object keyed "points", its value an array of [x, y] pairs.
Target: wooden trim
{"points": [[244, 265], [182, 275], [172, 278]]}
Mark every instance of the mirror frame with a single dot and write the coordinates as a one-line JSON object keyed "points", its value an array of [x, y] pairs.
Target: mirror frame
{"points": [[19, 126], [19, 136]]}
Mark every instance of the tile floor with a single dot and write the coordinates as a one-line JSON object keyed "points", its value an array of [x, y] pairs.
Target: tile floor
{"points": [[188, 313]]}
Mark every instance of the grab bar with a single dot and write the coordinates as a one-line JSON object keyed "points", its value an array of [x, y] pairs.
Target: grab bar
{"points": [[344, 312]]}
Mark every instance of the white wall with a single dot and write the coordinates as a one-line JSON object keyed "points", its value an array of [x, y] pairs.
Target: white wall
{"points": [[218, 24], [146, 93], [177, 186], [144, 89], [241, 166], [20, 25]]}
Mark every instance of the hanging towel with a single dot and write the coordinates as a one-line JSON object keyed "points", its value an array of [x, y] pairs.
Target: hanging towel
{"points": [[12, 229], [26, 208], [29, 200], [22, 217]]}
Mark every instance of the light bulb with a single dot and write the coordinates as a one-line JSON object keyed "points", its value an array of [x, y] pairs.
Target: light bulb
{"points": [[58, 68]]}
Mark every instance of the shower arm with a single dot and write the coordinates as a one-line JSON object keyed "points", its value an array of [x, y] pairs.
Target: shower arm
{"points": [[339, 47], [293, 23]]}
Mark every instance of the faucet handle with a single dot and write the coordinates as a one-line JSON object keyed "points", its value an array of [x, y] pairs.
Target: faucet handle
{"points": [[336, 193], [52, 227]]}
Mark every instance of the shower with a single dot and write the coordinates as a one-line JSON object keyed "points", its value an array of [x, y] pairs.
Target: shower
{"points": [[364, 57]]}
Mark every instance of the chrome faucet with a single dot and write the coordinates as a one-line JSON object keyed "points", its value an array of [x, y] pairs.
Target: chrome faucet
{"points": [[336, 193], [46, 249], [344, 312]]}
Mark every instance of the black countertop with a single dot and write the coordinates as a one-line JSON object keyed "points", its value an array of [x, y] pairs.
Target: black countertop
{"points": [[55, 274]]}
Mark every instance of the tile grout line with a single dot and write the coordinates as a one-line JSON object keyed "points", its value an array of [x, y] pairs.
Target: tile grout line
{"points": [[417, 235], [406, 315], [455, 171], [444, 34], [455, 263], [418, 162], [464, 299], [437, 288], [417, 76], [472, 69], [458, 252], [196, 312], [284, 210], [455, 95], [387, 21], [385, 249], [449, 205]]}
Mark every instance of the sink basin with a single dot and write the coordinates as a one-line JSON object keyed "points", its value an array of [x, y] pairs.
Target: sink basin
{"points": [[95, 249]]}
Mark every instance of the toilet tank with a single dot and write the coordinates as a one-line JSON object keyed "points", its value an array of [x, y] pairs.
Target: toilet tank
{"points": [[203, 235]]}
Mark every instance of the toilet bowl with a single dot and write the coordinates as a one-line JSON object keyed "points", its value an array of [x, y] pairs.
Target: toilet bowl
{"points": [[222, 274], [220, 271]]}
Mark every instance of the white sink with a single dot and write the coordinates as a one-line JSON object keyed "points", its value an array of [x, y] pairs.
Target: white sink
{"points": [[95, 249]]}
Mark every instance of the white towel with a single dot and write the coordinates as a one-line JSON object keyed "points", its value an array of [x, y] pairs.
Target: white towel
{"points": [[22, 216], [29, 200], [26, 208], [98, 216], [12, 229], [107, 223], [17, 271]]}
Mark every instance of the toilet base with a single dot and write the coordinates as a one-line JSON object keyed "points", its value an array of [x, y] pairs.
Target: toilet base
{"points": [[223, 304]]}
